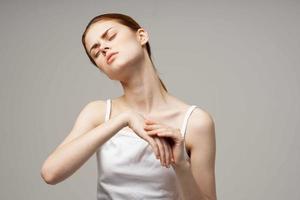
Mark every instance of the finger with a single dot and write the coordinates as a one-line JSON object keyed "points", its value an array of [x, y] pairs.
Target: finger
{"points": [[171, 154], [155, 131], [169, 143], [167, 152], [154, 146], [150, 121], [170, 134], [150, 127], [161, 150]]}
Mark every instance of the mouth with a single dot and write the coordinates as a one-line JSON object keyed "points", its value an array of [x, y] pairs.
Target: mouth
{"points": [[111, 57]]}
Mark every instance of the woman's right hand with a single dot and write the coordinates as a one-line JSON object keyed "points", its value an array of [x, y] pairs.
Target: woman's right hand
{"points": [[160, 145]]}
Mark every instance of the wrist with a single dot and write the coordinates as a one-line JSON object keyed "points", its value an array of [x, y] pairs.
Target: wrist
{"points": [[124, 117]]}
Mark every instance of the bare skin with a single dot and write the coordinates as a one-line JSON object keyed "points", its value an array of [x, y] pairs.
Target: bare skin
{"points": [[143, 98], [171, 114], [90, 131]]}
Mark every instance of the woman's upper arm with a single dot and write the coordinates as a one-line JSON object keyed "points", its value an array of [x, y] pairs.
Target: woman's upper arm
{"points": [[89, 117], [203, 150]]}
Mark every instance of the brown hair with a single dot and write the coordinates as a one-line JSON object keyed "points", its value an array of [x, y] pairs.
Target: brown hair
{"points": [[122, 19]]}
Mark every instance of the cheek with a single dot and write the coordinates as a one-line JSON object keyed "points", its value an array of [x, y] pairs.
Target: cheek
{"points": [[100, 62], [129, 49]]}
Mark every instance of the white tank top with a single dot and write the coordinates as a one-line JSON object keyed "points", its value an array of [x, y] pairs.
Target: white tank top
{"points": [[128, 169]]}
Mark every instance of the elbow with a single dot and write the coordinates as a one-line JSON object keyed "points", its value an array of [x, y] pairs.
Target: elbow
{"points": [[48, 176]]}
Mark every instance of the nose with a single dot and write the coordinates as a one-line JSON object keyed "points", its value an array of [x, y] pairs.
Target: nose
{"points": [[103, 50]]}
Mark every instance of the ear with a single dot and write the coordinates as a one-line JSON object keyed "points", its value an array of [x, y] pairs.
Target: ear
{"points": [[142, 35]]}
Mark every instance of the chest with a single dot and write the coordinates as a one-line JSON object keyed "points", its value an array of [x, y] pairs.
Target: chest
{"points": [[128, 157], [170, 117]]}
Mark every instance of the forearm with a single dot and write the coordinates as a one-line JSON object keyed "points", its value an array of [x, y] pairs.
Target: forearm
{"points": [[189, 187], [64, 161]]}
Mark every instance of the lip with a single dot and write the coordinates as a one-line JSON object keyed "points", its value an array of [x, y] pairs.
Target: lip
{"points": [[109, 55]]}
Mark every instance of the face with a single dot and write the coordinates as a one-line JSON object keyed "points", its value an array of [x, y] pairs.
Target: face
{"points": [[109, 37]]}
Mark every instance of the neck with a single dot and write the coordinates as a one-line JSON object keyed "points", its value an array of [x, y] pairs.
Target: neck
{"points": [[142, 90]]}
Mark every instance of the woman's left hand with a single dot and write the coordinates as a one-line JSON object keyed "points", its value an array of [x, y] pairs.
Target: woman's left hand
{"points": [[176, 141]]}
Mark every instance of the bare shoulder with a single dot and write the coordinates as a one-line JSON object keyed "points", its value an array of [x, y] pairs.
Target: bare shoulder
{"points": [[201, 125], [200, 119], [90, 116], [95, 111]]}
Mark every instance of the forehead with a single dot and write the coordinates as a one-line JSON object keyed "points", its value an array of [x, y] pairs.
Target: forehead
{"points": [[98, 28]]}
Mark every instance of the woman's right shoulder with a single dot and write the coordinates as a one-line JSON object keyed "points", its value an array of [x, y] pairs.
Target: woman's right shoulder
{"points": [[95, 111]]}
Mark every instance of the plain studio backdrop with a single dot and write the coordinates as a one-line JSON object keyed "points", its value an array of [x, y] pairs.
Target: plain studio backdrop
{"points": [[238, 60]]}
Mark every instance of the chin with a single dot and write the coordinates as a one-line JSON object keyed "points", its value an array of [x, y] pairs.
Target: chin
{"points": [[120, 70], [122, 63]]}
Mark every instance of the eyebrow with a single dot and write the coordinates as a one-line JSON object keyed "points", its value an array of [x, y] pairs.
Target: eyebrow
{"points": [[102, 36]]}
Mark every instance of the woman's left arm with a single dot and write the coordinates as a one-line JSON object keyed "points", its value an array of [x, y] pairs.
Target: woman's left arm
{"points": [[197, 178]]}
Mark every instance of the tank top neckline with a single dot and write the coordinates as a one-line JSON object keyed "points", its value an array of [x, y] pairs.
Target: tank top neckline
{"points": [[183, 126], [182, 129]]}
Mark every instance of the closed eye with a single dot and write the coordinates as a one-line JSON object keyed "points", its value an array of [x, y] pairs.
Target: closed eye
{"points": [[112, 37], [96, 54]]}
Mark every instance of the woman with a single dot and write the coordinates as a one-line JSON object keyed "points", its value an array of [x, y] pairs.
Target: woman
{"points": [[139, 135]]}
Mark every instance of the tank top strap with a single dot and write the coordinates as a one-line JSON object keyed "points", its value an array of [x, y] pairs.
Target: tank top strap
{"points": [[185, 120], [108, 109], [183, 127]]}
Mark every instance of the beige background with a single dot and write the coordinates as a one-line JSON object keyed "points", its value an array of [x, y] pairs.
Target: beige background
{"points": [[243, 57]]}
